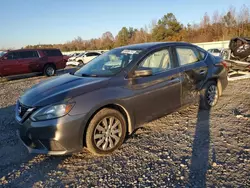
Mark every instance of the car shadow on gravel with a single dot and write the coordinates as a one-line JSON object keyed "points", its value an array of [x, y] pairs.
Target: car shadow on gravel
{"points": [[200, 150], [18, 168], [35, 169]]}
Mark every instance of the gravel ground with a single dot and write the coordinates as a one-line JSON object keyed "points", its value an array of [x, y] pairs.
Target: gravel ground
{"points": [[189, 148]]}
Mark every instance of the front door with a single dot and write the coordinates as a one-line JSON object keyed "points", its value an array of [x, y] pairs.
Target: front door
{"points": [[159, 93], [9, 64]]}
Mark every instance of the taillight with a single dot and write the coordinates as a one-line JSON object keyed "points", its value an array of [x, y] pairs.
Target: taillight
{"points": [[224, 63]]}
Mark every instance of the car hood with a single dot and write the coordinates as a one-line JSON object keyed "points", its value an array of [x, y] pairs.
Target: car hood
{"points": [[61, 88], [72, 58]]}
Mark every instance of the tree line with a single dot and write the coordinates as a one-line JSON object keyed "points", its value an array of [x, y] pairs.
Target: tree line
{"points": [[211, 28]]}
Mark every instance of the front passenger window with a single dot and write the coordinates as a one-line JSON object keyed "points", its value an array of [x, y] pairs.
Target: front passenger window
{"points": [[159, 61], [12, 55]]}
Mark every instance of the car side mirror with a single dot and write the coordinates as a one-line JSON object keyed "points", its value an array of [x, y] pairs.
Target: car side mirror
{"points": [[143, 72]]}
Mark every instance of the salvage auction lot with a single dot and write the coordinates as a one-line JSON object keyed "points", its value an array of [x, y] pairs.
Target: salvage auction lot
{"points": [[189, 147]]}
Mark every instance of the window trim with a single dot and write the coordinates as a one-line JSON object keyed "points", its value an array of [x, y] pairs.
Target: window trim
{"points": [[204, 51]]}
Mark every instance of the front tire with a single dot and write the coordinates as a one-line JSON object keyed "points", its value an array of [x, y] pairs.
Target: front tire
{"points": [[106, 132], [209, 95], [49, 70]]}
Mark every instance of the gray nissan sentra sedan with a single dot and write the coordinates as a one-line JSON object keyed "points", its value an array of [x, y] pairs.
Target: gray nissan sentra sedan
{"points": [[114, 94]]}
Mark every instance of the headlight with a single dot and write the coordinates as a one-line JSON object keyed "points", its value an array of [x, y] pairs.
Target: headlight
{"points": [[51, 112]]}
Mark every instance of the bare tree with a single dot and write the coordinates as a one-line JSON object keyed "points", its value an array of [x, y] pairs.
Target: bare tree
{"points": [[243, 19]]}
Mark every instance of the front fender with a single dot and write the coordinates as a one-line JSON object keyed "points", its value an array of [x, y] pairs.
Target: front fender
{"points": [[92, 102]]}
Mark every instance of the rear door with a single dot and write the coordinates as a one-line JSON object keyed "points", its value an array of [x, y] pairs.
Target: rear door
{"points": [[159, 93], [194, 71], [9, 64]]}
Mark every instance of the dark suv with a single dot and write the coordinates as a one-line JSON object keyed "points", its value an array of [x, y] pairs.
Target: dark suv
{"points": [[114, 94], [25, 61]]}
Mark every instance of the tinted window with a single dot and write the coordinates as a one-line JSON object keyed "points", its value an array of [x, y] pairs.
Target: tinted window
{"points": [[12, 55], [187, 55], [158, 61], [92, 54], [216, 51], [28, 54], [52, 52]]}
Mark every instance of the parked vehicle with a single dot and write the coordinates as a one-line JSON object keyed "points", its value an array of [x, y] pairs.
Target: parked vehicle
{"points": [[66, 58], [25, 61], [87, 57], [75, 56], [238, 54], [114, 94], [215, 51], [2, 53]]}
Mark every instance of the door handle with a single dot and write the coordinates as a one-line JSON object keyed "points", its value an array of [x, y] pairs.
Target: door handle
{"points": [[202, 72], [174, 79]]}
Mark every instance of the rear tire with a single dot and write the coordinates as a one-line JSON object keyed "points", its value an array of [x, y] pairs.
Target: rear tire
{"points": [[106, 132], [209, 95], [49, 70]]}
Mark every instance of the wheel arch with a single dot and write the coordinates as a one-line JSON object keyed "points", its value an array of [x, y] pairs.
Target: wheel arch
{"points": [[120, 108], [49, 63], [217, 81]]}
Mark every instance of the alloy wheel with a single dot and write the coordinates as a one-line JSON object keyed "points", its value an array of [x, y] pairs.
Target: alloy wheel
{"points": [[107, 133], [212, 95], [50, 71]]}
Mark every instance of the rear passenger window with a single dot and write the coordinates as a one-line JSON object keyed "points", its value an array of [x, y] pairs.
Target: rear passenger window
{"points": [[52, 53], [187, 55], [28, 54]]}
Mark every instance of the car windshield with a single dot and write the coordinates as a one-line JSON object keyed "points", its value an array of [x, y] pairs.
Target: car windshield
{"points": [[108, 64], [2, 53], [81, 54]]}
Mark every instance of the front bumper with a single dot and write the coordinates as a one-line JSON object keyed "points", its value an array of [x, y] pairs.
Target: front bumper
{"points": [[54, 137]]}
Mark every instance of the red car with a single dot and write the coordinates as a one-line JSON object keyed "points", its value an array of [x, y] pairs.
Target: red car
{"points": [[25, 61]]}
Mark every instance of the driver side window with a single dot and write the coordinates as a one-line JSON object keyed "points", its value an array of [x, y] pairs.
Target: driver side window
{"points": [[12, 55], [159, 61]]}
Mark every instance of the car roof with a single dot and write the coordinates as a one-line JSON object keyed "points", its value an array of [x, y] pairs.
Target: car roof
{"points": [[22, 50], [92, 52], [149, 45]]}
